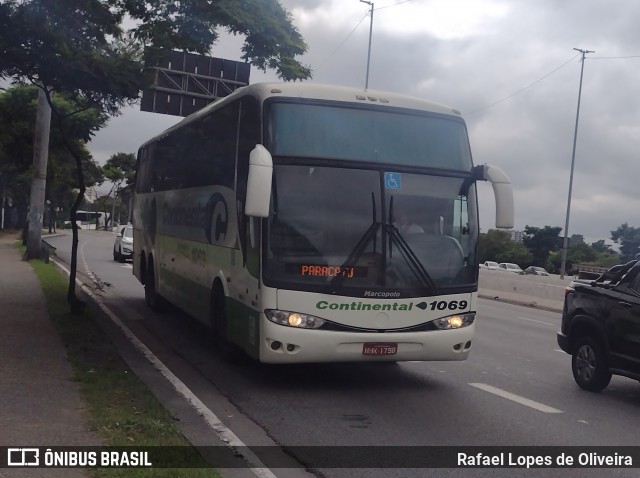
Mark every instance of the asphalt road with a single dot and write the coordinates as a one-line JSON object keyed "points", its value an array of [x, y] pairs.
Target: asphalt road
{"points": [[516, 389]]}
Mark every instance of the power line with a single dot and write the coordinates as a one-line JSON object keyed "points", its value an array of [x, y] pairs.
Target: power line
{"points": [[523, 89], [354, 29], [394, 5], [612, 57], [343, 41]]}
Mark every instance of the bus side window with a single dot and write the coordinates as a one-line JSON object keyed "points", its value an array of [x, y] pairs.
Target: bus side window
{"points": [[165, 167], [143, 171], [212, 150]]}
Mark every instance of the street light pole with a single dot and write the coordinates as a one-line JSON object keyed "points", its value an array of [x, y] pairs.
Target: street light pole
{"points": [[366, 83], [565, 243]]}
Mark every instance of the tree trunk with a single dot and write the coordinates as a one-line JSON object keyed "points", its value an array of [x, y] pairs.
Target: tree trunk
{"points": [[76, 304]]}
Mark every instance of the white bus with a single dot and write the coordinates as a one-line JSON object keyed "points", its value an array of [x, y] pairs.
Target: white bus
{"points": [[88, 220], [314, 223]]}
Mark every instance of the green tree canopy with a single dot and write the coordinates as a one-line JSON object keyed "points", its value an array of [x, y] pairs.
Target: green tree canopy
{"points": [[82, 45], [540, 242], [120, 169], [629, 239], [17, 124], [601, 247], [498, 246]]}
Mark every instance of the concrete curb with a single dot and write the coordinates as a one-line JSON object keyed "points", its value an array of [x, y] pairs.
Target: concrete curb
{"points": [[523, 303]]}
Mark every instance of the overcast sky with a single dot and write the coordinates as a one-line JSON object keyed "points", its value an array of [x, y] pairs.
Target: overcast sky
{"points": [[510, 68]]}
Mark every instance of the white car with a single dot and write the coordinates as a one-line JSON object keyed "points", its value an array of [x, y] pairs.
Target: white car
{"points": [[510, 267], [123, 246], [492, 266]]}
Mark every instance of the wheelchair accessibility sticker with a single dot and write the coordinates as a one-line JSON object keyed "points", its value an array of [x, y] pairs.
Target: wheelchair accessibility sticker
{"points": [[392, 180]]}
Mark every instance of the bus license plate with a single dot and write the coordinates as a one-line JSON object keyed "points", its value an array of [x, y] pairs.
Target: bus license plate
{"points": [[379, 348]]}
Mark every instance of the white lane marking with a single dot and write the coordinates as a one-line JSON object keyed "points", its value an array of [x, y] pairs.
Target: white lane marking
{"points": [[225, 434], [538, 321], [558, 350], [127, 266], [516, 398]]}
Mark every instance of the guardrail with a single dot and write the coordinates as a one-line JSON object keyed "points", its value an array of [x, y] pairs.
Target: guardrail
{"points": [[587, 271]]}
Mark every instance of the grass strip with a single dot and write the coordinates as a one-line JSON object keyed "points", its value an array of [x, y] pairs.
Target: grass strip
{"points": [[121, 409]]}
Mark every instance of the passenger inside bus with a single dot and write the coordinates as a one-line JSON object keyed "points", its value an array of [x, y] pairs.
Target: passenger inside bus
{"points": [[406, 224]]}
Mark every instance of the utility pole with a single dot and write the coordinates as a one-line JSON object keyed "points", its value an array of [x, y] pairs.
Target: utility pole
{"points": [[366, 83], [113, 211], [565, 244], [39, 176]]}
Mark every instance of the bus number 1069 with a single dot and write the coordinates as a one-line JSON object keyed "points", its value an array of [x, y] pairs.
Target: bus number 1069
{"points": [[448, 305]]}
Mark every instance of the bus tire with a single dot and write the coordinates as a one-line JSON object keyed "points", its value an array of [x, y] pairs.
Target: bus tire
{"points": [[218, 318], [151, 296]]}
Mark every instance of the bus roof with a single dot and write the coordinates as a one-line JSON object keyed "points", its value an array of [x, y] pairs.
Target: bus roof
{"points": [[346, 94], [317, 91]]}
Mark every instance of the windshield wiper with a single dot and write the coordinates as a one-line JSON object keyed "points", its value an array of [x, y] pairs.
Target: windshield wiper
{"points": [[417, 268], [360, 247]]}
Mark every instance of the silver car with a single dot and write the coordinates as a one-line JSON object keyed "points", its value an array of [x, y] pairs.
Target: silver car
{"points": [[509, 266], [123, 246]]}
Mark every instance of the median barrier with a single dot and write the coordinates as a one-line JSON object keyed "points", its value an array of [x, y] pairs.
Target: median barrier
{"points": [[545, 292]]}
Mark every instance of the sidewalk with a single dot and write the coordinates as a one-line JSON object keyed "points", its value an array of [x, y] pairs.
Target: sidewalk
{"points": [[40, 403]]}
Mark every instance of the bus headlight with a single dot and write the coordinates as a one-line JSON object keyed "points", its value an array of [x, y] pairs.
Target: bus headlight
{"points": [[294, 319], [455, 321]]}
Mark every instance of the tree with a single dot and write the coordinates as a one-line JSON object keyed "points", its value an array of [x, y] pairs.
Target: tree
{"points": [[518, 253], [601, 247], [629, 239], [90, 43], [554, 262], [493, 244], [575, 238], [540, 242], [120, 169], [498, 246], [17, 110], [80, 47], [596, 254]]}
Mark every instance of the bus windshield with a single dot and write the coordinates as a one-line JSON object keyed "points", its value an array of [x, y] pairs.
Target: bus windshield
{"points": [[354, 230], [367, 134]]}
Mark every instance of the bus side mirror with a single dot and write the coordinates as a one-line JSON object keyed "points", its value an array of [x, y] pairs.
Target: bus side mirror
{"points": [[503, 193], [259, 182]]}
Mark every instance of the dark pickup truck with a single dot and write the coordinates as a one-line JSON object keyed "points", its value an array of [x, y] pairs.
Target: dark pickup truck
{"points": [[601, 327]]}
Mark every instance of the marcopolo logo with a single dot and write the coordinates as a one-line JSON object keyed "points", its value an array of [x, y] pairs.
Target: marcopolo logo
{"points": [[381, 294], [363, 306]]}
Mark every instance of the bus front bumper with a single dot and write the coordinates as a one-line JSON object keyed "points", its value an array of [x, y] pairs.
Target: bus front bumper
{"points": [[282, 344]]}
